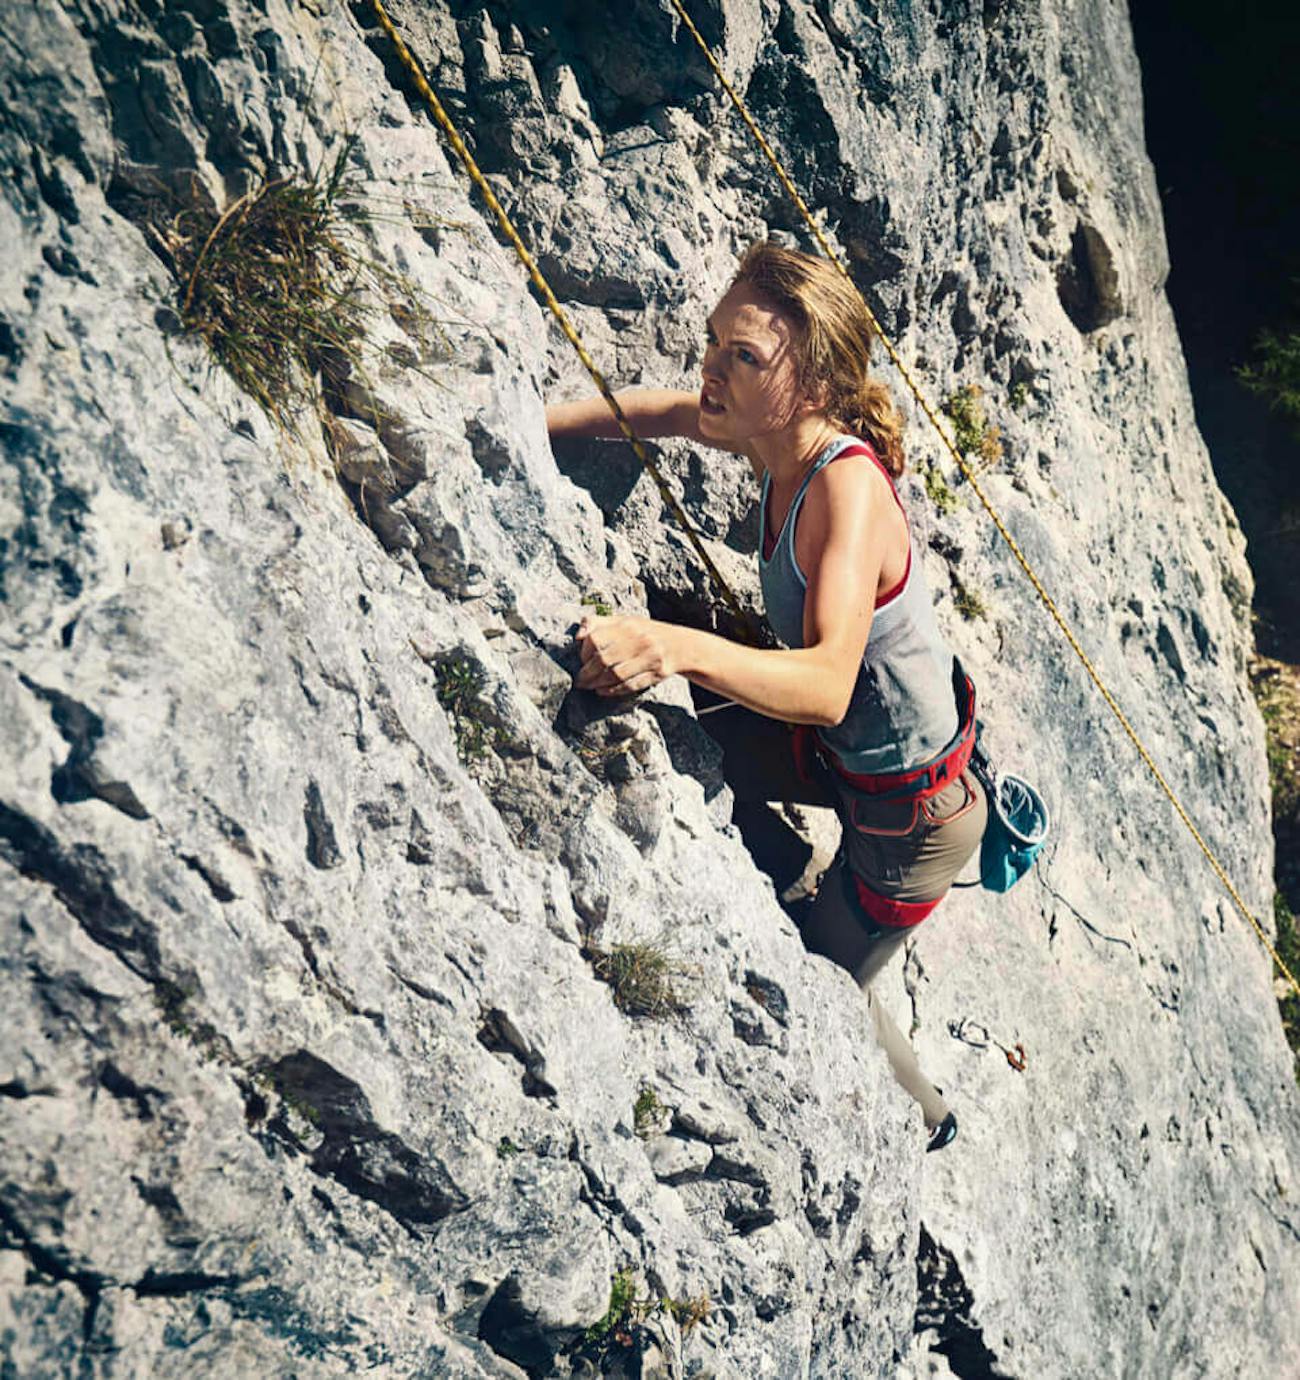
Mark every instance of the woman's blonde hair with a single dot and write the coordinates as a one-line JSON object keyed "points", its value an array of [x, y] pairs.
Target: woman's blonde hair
{"points": [[832, 341]]}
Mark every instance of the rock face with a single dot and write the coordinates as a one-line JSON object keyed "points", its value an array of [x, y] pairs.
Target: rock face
{"points": [[314, 872]]}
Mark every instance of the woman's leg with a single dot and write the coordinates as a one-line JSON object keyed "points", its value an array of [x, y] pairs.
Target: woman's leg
{"points": [[837, 929]]}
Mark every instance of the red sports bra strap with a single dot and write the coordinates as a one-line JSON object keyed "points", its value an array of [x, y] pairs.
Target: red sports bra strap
{"points": [[864, 448]]}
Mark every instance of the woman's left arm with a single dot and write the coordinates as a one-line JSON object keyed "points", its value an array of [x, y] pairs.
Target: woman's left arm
{"points": [[812, 684]]}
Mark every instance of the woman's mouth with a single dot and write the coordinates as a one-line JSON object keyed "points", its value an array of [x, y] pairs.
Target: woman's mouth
{"points": [[707, 404]]}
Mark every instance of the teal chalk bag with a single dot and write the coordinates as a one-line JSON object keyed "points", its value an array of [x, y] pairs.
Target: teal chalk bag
{"points": [[1018, 823]]}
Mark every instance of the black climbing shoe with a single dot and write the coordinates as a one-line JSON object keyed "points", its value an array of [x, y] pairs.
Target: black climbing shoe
{"points": [[943, 1134]]}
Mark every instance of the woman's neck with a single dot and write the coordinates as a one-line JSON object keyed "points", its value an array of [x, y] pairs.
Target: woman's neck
{"points": [[786, 454]]}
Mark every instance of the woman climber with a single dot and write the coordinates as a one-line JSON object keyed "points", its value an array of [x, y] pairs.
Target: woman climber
{"points": [[884, 717]]}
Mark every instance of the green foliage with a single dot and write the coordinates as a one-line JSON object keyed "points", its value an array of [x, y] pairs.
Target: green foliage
{"points": [[597, 604], [172, 1000], [643, 977], [937, 490], [1275, 373], [966, 601], [647, 1112], [1019, 394], [627, 1313], [1288, 948], [1277, 692], [1279, 706], [622, 1297], [972, 432], [460, 692], [507, 1149]]}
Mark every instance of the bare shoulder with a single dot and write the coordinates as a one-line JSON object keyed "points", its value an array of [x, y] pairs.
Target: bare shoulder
{"points": [[852, 485]]}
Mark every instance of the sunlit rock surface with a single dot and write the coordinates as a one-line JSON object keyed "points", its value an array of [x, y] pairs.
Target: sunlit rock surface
{"points": [[306, 1066]]}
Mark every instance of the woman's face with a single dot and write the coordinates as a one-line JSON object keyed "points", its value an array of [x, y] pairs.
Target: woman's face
{"points": [[750, 377]]}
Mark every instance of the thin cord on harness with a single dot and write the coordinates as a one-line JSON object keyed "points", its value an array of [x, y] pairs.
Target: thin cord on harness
{"points": [[971, 479], [543, 287]]}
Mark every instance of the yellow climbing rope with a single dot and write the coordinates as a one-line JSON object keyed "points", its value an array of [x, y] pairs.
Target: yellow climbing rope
{"points": [[542, 286], [971, 479]]}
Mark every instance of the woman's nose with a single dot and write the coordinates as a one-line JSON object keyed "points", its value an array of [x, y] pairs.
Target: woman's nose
{"points": [[712, 366]]}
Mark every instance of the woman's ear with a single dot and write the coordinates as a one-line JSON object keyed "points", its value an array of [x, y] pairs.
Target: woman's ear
{"points": [[816, 399]]}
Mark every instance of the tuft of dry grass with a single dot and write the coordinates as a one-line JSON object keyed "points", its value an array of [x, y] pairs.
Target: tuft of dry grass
{"points": [[283, 285], [643, 976]]}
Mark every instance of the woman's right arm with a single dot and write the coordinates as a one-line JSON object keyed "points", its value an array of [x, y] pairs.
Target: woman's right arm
{"points": [[650, 412]]}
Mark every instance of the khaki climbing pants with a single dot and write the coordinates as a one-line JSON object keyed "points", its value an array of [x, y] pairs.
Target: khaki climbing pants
{"points": [[901, 852]]}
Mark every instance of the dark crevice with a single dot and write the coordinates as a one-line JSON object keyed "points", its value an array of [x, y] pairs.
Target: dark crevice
{"points": [[213, 880], [81, 879], [368, 1161], [125, 1089], [18, 1090], [79, 777], [322, 846], [54, 1264], [182, 1282], [512, 1332], [945, 1309], [499, 1034]]}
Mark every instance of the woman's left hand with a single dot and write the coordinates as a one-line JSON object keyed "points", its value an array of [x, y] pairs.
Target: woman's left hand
{"points": [[621, 655]]}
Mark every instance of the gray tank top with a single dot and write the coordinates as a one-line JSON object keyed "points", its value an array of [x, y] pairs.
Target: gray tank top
{"points": [[903, 712]]}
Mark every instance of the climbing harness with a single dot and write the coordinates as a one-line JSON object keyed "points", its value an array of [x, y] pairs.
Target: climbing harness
{"points": [[968, 472], [508, 229], [928, 780]]}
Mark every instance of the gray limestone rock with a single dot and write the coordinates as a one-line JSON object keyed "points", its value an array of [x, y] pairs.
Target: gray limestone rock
{"points": [[307, 848]]}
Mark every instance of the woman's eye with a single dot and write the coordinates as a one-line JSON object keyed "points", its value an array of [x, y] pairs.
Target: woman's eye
{"points": [[745, 356]]}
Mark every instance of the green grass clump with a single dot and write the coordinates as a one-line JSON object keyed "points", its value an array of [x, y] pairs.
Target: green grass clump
{"points": [[647, 1112], [1275, 373], [937, 490], [1279, 707], [643, 978], [1288, 948], [460, 692], [507, 1149], [597, 604], [967, 601], [622, 1298], [627, 1315], [973, 433]]}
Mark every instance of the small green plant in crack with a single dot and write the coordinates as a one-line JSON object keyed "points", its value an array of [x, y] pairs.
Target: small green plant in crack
{"points": [[937, 489], [172, 1000], [1288, 948], [973, 433], [1018, 395], [967, 601], [622, 1300], [688, 1313], [507, 1149], [648, 1113], [597, 604], [290, 1098], [626, 1318], [643, 977], [460, 692]]}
